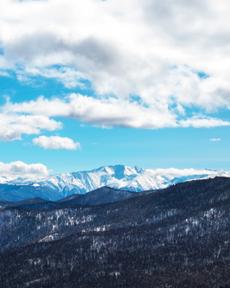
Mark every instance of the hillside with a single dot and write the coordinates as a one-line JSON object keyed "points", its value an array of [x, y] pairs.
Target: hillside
{"points": [[176, 237]]}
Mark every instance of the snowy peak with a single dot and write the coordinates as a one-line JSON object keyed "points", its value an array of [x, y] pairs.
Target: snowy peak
{"points": [[124, 177], [115, 171], [117, 176], [120, 171]]}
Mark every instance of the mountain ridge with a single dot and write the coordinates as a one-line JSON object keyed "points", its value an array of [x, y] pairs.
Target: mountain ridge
{"points": [[134, 179], [100, 196], [174, 237]]}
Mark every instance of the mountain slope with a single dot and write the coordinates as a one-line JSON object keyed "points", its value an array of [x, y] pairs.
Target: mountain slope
{"points": [[18, 192], [176, 237], [119, 177], [125, 177], [186, 198], [103, 195], [99, 196]]}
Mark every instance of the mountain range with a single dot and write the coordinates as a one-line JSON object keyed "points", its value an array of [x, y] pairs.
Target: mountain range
{"points": [[173, 237], [103, 195], [56, 187]]}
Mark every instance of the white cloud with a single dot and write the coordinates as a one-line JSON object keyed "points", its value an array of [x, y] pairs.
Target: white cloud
{"points": [[13, 126], [216, 139], [56, 143], [111, 112], [19, 169], [203, 122], [126, 47]]}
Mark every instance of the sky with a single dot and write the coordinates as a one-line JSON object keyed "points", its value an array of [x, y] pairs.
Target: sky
{"points": [[90, 83]]}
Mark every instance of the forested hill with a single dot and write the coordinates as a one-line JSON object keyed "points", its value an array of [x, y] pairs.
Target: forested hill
{"points": [[176, 237]]}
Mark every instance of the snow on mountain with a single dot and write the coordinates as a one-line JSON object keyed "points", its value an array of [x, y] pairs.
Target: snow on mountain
{"points": [[117, 176]]}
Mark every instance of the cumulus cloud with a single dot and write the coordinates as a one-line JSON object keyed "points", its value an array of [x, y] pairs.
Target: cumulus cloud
{"points": [[56, 143], [125, 48], [203, 122], [13, 126], [19, 169], [111, 112]]}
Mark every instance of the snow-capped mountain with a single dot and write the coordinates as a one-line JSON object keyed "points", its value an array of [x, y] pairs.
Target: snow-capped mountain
{"points": [[117, 176]]}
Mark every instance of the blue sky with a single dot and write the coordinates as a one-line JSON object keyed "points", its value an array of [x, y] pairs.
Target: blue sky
{"points": [[147, 148], [129, 83]]}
